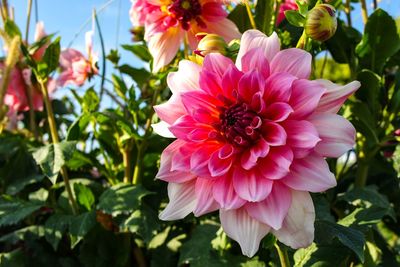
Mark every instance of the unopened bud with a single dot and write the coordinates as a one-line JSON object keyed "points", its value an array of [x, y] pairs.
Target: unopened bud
{"points": [[210, 43], [321, 22], [137, 33]]}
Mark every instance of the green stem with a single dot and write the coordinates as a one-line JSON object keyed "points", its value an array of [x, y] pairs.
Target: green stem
{"points": [[103, 53], [138, 165], [3, 89], [283, 256], [364, 11], [250, 14], [32, 120], [56, 140], [127, 158], [362, 173], [28, 21], [302, 43], [347, 10]]}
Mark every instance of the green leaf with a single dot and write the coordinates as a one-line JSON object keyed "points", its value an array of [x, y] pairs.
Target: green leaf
{"points": [[14, 258], [52, 157], [364, 122], [55, 227], [76, 129], [84, 196], [51, 58], [80, 226], [140, 76], [353, 239], [29, 232], [196, 251], [380, 41], [141, 51], [11, 28], [370, 91], [320, 256], [263, 15], [294, 18], [119, 86], [40, 195], [90, 101], [121, 198], [18, 184], [240, 18], [13, 210]]}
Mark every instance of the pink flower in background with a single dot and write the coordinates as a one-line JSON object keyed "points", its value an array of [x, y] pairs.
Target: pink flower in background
{"points": [[287, 5], [168, 21], [39, 34], [251, 141], [75, 67]]}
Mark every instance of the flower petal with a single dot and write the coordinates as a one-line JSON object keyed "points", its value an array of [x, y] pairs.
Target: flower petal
{"points": [[302, 137], [251, 83], [161, 129], [225, 194], [277, 164], [278, 111], [273, 210], [337, 134], [250, 185], [305, 97], [182, 201], [335, 95], [250, 156], [274, 134], [278, 87], [310, 174], [185, 79], [171, 110], [294, 61], [220, 164], [298, 227], [224, 28], [247, 231], [254, 38], [204, 194], [255, 59]]}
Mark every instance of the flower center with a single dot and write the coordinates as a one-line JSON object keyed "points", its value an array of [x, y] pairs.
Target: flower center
{"points": [[240, 125], [184, 11]]}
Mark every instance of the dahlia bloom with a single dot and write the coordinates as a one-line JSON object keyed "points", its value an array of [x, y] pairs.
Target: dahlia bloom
{"points": [[287, 5], [167, 22], [251, 141], [75, 67]]}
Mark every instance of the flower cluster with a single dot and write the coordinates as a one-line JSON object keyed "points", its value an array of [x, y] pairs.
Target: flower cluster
{"points": [[252, 138], [170, 22]]}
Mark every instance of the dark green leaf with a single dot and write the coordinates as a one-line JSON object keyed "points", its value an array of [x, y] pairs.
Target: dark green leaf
{"points": [[31, 232], [240, 18], [13, 210], [294, 18], [51, 57], [76, 129], [140, 76], [264, 13], [52, 157], [55, 227], [84, 196], [369, 91], [121, 198], [11, 28], [380, 41], [353, 239], [80, 226], [140, 51], [14, 258], [90, 101], [320, 256], [17, 185]]}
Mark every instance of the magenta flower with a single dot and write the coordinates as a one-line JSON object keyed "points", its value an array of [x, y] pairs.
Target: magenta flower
{"points": [[167, 22], [75, 67], [287, 5], [251, 141]]}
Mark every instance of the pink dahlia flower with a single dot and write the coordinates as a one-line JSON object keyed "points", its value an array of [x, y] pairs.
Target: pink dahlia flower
{"points": [[75, 67], [168, 21], [287, 5], [251, 141]]}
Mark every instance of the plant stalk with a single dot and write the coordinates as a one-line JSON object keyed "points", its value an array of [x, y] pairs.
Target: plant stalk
{"points": [[364, 11], [28, 21], [127, 158], [250, 14], [283, 256], [56, 140]]}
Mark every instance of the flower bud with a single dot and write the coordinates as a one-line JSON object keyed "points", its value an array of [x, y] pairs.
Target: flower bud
{"points": [[210, 43], [321, 22], [137, 33]]}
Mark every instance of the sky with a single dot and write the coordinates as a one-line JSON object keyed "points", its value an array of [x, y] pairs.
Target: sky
{"points": [[70, 19]]}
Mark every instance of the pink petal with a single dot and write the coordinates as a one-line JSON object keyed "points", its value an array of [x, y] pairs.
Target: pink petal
{"points": [[310, 174], [219, 164], [230, 81], [163, 47], [205, 199], [252, 39], [302, 137], [255, 59], [251, 83], [337, 134], [182, 201], [250, 156], [162, 129], [186, 128], [171, 110], [305, 97], [274, 134], [224, 28], [68, 56], [210, 83], [213, 12], [185, 79], [335, 95], [225, 194], [278, 111], [217, 64], [276, 165], [250, 185], [294, 61], [247, 231], [198, 100], [278, 87], [298, 228], [165, 171], [200, 158], [273, 210]]}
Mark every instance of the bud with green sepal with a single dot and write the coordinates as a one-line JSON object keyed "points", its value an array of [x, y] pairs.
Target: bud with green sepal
{"points": [[321, 22]]}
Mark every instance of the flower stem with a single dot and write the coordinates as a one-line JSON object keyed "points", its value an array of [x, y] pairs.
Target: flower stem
{"points": [[250, 14], [32, 120], [302, 43], [347, 10], [55, 138], [127, 158], [362, 173], [364, 11], [283, 256], [28, 21]]}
